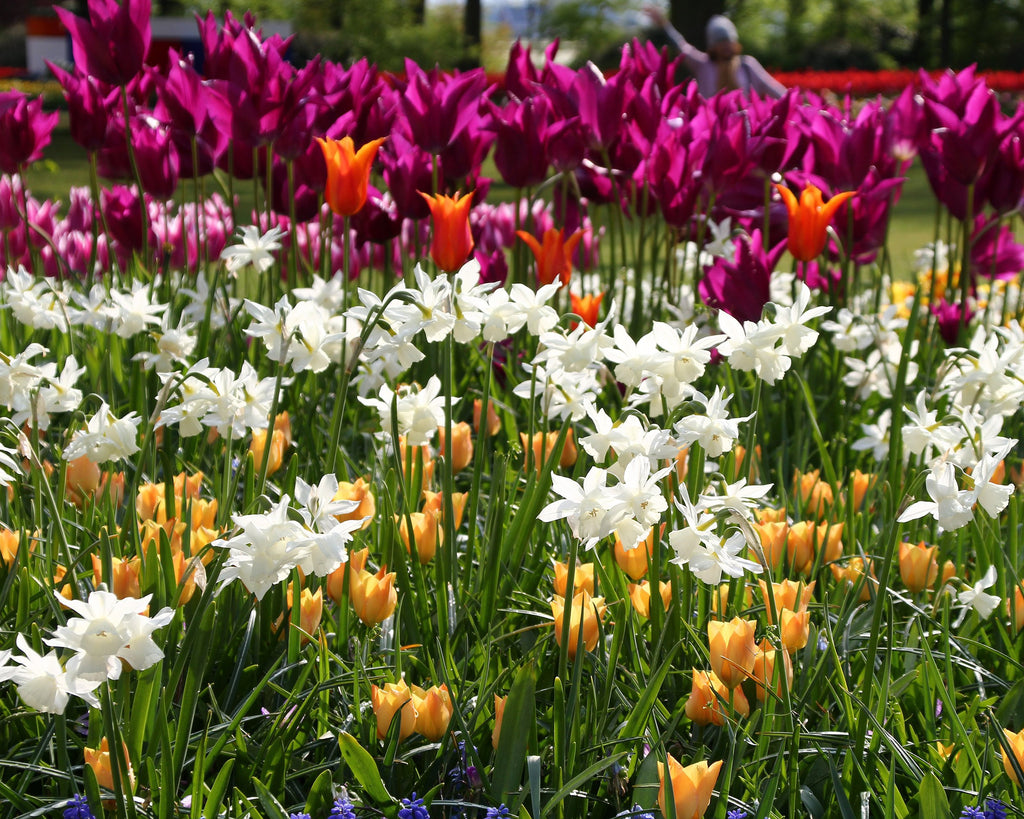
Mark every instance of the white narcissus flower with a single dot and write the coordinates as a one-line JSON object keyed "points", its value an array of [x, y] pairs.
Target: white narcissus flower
{"points": [[265, 551], [950, 505], [107, 631], [978, 599], [419, 411], [585, 508], [134, 311], [255, 249], [715, 431], [42, 682], [106, 437]]}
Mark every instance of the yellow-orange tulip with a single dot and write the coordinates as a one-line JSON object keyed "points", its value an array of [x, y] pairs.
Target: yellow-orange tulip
{"points": [[462, 445], [433, 711], [452, 240], [543, 444], [125, 576], [585, 616], [634, 562], [692, 787], [774, 536], [348, 173], [1016, 609], [390, 700], [918, 566], [311, 609], [434, 502], [764, 670], [358, 491], [1016, 742], [374, 596], [582, 578], [860, 483], [732, 649], [9, 545], [640, 596], [852, 573], [426, 534], [809, 218], [705, 703], [280, 440], [788, 594], [82, 477], [99, 760], [815, 494], [767, 514]]}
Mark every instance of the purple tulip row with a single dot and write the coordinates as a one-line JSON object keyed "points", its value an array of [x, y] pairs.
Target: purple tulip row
{"points": [[635, 139]]}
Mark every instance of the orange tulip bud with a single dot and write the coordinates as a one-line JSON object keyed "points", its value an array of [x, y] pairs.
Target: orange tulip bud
{"points": [[358, 491], [918, 566], [10, 542], [426, 534], [852, 573], [1016, 742], [583, 578], [543, 444], [815, 495], [311, 609], [764, 670], [586, 613], [453, 241], [499, 714], [788, 594], [640, 596], [462, 445], [705, 703], [125, 580], [83, 479], [1016, 609], [493, 421], [692, 787], [586, 307], [348, 173], [434, 502], [374, 596], [99, 760], [809, 219], [390, 700], [774, 537], [861, 482], [732, 649], [433, 711], [634, 561]]}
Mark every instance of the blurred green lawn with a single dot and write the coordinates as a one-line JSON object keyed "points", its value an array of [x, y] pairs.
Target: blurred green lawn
{"points": [[65, 165]]}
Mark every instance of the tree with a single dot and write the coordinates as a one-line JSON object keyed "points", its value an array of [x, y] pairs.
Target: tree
{"points": [[691, 16]]}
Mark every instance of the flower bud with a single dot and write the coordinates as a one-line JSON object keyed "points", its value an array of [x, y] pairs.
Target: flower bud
{"points": [[433, 711], [387, 702], [583, 578], [640, 596], [918, 566], [493, 422], [732, 649], [705, 703], [462, 445], [692, 787], [586, 613], [374, 596], [358, 491], [426, 534]]}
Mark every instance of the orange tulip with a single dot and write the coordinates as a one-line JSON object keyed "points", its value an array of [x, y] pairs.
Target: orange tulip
{"points": [[815, 495], [99, 760], [692, 787], [1016, 742], [640, 596], [704, 705], [311, 609], [462, 445], [358, 491], [387, 702], [493, 421], [1016, 609], [499, 715], [774, 537], [83, 479], [861, 483], [554, 256], [809, 219], [586, 307], [732, 649], [374, 596], [586, 613], [348, 173], [426, 534], [433, 502], [9, 544], [634, 561], [764, 670], [918, 566], [453, 240], [852, 573], [582, 578], [433, 711], [543, 444], [125, 576]]}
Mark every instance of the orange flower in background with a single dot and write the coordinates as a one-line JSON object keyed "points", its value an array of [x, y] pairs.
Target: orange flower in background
{"points": [[452, 241], [125, 576], [543, 444], [433, 711], [554, 256], [634, 561], [692, 787], [433, 502], [311, 610], [9, 543], [789, 595], [640, 596], [83, 479], [774, 537], [358, 491], [426, 534], [1016, 609], [462, 445], [918, 566], [387, 702], [852, 574], [861, 482], [586, 307], [280, 440], [493, 421], [732, 649], [348, 173], [499, 715], [815, 494], [809, 218], [764, 670]]}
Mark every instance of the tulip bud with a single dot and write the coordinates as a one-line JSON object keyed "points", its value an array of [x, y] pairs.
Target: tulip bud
{"points": [[426, 534], [583, 578], [852, 574], [99, 760], [682, 461], [374, 596], [634, 562], [387, 702], [82, 477], [311, 609], [462, 445], [692, 787], [768, 515], [732, 649], [774, 537], [640, 596], [434, 503], [918, 566], [788, 594], [1016, 743], [814, 494], [433, 711], [1017, 612], [764, 670], [499, 714], [586, 613], [9, 544], [543, 444], [861, 482], [125, 576], [358, 491], [704, 705], [493, 422]]}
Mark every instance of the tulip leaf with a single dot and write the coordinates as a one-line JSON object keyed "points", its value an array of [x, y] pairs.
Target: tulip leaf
{"points": [[1012, 703], [211, 809], [646, 703], [811, 803], [321, 795], [931, 798], [271, 806], [363, 768], [517, 723], [579, 779]]}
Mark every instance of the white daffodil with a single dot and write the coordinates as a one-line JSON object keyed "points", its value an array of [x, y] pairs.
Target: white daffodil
{"points": [[255, 249]]}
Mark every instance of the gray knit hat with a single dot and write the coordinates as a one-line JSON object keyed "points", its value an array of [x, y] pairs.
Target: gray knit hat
{"points": [[720, 30]]}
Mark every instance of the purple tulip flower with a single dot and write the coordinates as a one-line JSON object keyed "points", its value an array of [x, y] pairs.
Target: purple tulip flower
{"points": [[24, 130], [113, 43], [742, 287]]}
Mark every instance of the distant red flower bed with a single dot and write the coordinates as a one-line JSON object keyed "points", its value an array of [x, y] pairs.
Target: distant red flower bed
{"points": [[887, 83]]}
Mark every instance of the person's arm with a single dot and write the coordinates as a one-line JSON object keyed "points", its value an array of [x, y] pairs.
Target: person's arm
{"points": [[761, 81], [692, 55]]}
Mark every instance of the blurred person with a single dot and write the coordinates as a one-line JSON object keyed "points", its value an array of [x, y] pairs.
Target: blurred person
{"points": [[724, 67]]}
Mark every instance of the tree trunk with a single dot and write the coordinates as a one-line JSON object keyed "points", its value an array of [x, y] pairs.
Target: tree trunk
{"points": [[946, 33], [419, 11], [691, 16], [921, 51], [471, 28]]}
